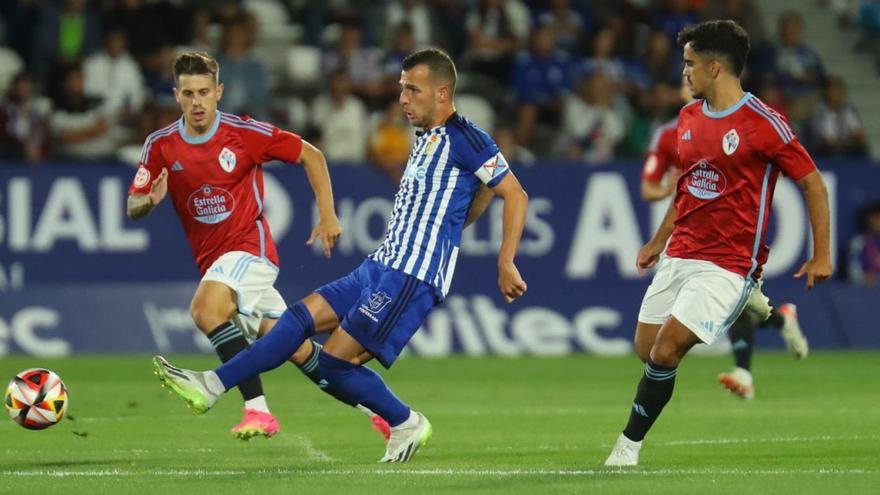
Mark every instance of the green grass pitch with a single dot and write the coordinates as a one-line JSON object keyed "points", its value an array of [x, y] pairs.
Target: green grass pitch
{"points": [[525, 425]]}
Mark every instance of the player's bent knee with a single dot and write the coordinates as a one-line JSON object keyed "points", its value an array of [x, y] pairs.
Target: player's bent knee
{"points": [[206, 317], [342, 345], [303, 353], [664, 354], [643, 351]]}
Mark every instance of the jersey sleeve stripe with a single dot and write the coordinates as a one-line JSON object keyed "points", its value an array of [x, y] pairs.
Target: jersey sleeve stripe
{"points": [[247, 126], [778, 124], [775, 116], [264, 125], [470, 140], [478, 136], [148, 143]]}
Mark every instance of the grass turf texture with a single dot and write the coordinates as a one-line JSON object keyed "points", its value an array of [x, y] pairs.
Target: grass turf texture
{"points": [[524, 425]]}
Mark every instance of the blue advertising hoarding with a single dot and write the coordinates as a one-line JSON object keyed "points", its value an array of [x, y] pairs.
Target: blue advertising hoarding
{"points": [[76, 276]]}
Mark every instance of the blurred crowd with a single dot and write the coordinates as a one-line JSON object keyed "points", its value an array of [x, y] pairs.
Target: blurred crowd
{"points": [[586, 81]]}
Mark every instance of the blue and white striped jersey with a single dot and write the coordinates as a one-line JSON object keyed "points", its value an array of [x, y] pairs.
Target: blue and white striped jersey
{"points": [[444, 171]]}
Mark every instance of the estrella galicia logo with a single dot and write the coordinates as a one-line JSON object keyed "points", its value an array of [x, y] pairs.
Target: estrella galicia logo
{"points": [[706, 181], [378, 301], [209, 204]]}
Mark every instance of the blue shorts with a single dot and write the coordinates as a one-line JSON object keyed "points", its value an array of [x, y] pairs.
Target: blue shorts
{"points": [[380, 307]]}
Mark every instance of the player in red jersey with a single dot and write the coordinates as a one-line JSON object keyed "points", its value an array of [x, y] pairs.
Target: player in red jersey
{"points": [[731, 150], [659, 177], [210, 163]]}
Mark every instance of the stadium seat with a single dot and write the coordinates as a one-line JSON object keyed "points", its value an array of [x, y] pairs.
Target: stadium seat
{"points": [[303, 65], [297, 114], [10, 64]]}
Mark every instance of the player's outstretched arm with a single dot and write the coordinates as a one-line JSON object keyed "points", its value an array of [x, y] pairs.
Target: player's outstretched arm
{"points": [[516, 205], [328, 228], [819, 267], [139, 205], [479, 204]]}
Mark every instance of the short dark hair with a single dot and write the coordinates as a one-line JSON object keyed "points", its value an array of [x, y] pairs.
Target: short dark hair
{"points": [[438, 62], [196, 63], [725, 38]]}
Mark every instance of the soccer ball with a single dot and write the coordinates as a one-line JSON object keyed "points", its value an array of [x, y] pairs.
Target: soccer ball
{"points": [[36, 398]]}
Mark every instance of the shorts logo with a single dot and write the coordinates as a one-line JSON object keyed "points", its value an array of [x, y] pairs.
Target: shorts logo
{"points": [[226, 159], [378, 301], [730, 142], [142, 177], [209, 204], [705, 181]]}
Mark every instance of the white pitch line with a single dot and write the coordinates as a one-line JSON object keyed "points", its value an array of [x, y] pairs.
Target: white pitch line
{"points": [[495, 473], [722, 441]]}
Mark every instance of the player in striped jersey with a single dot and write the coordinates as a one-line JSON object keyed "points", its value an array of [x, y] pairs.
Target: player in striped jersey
{"points": [[731, 149], [377, 308]]}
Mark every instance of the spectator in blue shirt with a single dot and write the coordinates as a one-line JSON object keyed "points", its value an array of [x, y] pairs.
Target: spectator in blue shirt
{"points": [[799, 70], [541, 76]]}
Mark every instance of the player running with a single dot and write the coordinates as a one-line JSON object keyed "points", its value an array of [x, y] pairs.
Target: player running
{"points": [[731, 148], [379, 306], [211, 164], [659, 178]]}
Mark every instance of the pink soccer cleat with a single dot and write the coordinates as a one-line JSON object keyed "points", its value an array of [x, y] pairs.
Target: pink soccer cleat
{"points": [[256, 423], [381, 426]]}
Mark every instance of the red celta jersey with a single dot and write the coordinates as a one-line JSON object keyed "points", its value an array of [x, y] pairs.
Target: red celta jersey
{"points": [[215, 182], [662, 153], [730, 161]]}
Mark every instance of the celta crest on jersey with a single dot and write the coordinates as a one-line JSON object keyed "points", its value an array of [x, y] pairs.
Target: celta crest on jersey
{"points": [[226, 159], [706, 181], [209, 204], [730, 142]]}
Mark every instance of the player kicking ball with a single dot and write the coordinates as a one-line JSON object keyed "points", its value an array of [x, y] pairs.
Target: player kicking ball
{"points": [[376, 309], [731, 149], [210, 163]]}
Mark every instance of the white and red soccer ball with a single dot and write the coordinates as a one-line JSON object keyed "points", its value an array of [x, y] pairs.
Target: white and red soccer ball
{"points": [[36, 398]]}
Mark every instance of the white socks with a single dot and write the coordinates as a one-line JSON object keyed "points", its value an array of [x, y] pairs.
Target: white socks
{"points": [[410, 422], [258, 403], [212, 381]]}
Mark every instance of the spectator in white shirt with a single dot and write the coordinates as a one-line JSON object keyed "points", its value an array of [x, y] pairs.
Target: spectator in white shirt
{"points": [[113, 76], [592, 125], [837, 128], [341, 118]]}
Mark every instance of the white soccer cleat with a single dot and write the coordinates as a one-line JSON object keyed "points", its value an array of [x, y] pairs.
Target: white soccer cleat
{"points": [[739, 382], [405, 441], [792, 333], [624, 453], [187, 384], [759, 304]]}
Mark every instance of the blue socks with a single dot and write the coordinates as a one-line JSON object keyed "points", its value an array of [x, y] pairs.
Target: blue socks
{"points": [[355, 385], [271, 350]]}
